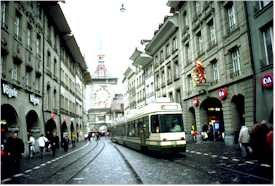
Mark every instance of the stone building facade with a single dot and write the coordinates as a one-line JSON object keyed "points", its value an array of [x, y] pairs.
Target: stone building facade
{"points": [[31, 42], [260, 19], [216, 33], [165, 51]]}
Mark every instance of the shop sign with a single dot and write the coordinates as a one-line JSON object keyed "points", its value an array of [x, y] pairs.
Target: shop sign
{"points": [[34, 100], [223, 93], [267, 80], [9, 91], [196, 101]]}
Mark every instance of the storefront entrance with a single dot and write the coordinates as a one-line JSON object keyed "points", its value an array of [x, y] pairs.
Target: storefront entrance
{"points": [[9, 122], [50, 128], [64, 130], [32, 122], [238, 115], [211, 115]]}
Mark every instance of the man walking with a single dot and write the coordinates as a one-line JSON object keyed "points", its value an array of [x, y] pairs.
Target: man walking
{"points": [[244, 138], [41, 143], [15, 148]]}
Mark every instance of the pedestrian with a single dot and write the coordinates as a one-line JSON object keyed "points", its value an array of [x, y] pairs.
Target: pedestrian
{"points": [[14, 148], [56, 140], [194, 133], [65, 143], [258, 139], [31, 143], [269, 145], [52, 144], [244, 138], [204, 134], [42, 140]]}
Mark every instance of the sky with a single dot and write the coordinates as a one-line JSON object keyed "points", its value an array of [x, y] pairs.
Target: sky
{"points": [[101, 28]]}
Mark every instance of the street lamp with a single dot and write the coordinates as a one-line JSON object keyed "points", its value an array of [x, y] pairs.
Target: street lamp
{"points": [[122, 9]]}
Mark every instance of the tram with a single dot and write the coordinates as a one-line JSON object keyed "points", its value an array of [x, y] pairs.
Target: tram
{"points": [[157, 126]]}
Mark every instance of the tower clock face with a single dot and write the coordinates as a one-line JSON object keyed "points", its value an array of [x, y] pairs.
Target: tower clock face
{"points": [[102, 96]]}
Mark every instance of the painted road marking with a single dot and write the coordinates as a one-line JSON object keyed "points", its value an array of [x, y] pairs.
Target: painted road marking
{"points": [[43, 164], [224, 157], [249, 162], [205, 154], [18, 175], [37, 167], [192, 151], [187, 150], [27, 171], [214, 156], [235, 159], [265, 165], [78, 179], [6, 180], [198, 152]]}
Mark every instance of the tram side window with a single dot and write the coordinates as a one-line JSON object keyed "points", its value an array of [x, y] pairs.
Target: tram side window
{"points": [[154, 124], [128, 129], [146, 126], [140, 126]]}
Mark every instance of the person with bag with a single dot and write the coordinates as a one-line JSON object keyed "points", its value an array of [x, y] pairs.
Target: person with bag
{"points": [[244, 138], [42, 140]]}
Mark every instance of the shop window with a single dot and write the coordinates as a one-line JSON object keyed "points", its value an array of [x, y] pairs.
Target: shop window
{"points": [[232, 22], [268, 45], [4, 15], [18, 26], [235, 58]]}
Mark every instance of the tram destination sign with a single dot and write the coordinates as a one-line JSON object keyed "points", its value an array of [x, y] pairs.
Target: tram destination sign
{"points": [[9, 91]]}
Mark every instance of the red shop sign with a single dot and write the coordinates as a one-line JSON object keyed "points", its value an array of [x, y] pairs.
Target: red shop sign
{"points": [[223, 93], [267, 80], [196, 101]]}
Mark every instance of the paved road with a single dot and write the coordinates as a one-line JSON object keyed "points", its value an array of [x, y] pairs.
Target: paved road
{"points": [[106, 163]]}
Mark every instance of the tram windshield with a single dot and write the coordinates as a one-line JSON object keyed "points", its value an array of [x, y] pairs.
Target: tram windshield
{"points": [[166, 123]]}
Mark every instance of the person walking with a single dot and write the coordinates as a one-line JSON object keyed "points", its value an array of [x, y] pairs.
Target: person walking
{"points": [[52, 144], [244, 139], [31, 142], [66, 143], [42, 140], [14, 148]]}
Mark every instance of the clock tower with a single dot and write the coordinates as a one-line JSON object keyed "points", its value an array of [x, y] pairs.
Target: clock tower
{"points": [[102, 92]]}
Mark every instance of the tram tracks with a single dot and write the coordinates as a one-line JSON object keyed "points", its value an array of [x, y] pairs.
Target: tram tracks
{"points": [[51, 172], [86, 164]]}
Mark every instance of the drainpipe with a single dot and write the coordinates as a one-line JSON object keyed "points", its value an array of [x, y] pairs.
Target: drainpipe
{"points": [[43, 63], [252, 63]]}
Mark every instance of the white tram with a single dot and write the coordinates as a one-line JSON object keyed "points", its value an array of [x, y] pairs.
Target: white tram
{"points": [[157, 126]]}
